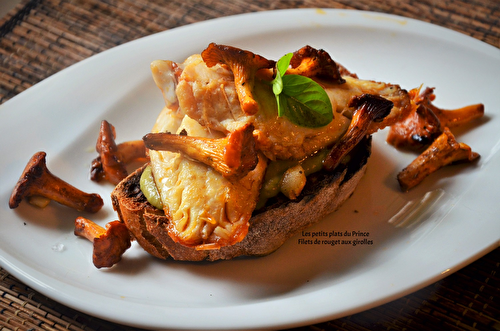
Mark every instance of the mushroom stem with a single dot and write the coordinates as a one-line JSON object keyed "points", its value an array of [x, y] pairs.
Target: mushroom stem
{"points": [[451, 118], [232, 156], [85, 228], [457, 117], [37, 180], [369, 109], [109, 243]]}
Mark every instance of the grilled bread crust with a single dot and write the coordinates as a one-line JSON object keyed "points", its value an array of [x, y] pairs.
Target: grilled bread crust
{"points": [[269, 227]]}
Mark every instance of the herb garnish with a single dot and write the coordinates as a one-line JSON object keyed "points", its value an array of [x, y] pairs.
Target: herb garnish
{"points": [[303, 101]]}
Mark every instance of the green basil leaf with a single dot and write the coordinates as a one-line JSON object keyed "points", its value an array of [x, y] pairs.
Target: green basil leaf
{"points": [[284, 63], [304, 102], [277, 83]]}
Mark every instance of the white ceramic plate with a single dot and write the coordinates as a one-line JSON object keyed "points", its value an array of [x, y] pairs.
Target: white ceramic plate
{"points": [[456, 223]]}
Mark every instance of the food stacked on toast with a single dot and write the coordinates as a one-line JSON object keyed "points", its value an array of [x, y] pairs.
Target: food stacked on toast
{"points": [[247, 152], [226, 144]]}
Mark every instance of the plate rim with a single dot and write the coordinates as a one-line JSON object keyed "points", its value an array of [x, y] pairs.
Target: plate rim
{"points": [[52, 292]]}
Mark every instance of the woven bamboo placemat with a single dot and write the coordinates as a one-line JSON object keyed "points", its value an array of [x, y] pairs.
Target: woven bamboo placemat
{"points": [[41, 37]]}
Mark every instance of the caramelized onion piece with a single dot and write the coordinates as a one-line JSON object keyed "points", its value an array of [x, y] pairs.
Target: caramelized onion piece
{"points": [[37, 181], [293, 181], [233, 156], [109, 243], [113, 159], [311, 62], [443, 151], [369, 109], [244, 65]]}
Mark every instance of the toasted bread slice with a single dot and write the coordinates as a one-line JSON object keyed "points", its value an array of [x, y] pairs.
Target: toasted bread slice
{"points": [[269, 227]]}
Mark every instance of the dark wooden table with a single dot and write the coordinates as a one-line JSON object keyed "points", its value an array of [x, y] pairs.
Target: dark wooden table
{"points": [[41, 37]]}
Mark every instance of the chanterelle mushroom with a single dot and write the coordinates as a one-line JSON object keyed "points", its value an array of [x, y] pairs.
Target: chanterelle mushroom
{"points": [[36, 180], [232, 156], [244, 65], [369, 109], [443, 151], [426, 121], [113, 158], [312, 62], [417, 130], [452, 118], [109, 243]]}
